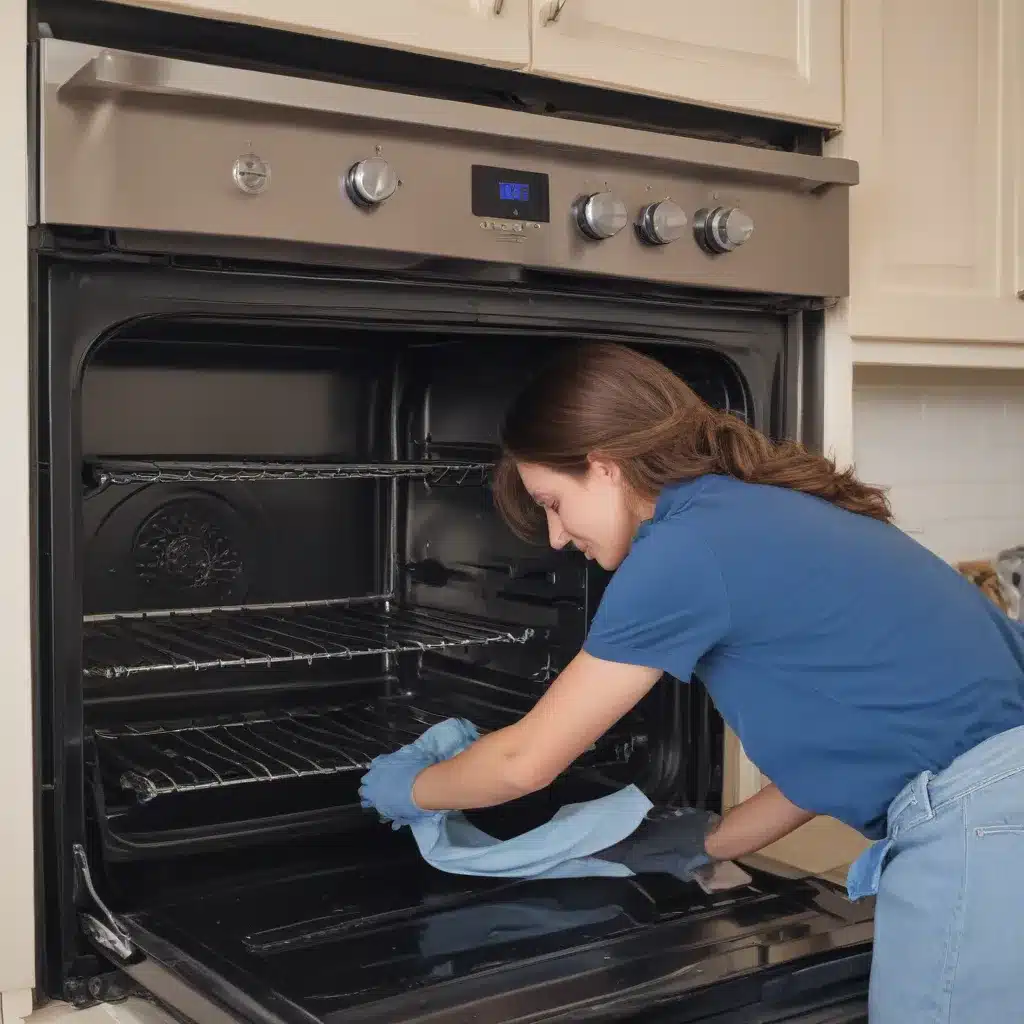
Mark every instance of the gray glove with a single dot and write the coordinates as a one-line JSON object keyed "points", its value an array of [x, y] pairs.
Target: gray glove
{"points": [[668, 841]]}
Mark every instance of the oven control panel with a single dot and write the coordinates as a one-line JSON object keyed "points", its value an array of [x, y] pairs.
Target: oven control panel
{"points": [[266, 159], [512, 202]]}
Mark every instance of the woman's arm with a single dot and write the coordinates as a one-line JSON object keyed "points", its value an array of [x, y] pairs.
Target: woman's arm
{"points": [[582, 704], [579, 707], [754, 824]]}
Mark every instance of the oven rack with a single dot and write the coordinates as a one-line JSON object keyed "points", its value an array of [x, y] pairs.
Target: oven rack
{"points": [[161, 759], [104, 472], [117, 646]]}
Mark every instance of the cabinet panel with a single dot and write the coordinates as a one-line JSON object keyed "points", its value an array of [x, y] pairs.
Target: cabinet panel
{"points": [[1016, 57], [777, 57], [19, 763], [933, 115], [493, 32]]}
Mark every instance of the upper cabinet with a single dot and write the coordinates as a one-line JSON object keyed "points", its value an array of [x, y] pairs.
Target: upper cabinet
{"points": [[495, 32], [935, 117], [782, 58]]}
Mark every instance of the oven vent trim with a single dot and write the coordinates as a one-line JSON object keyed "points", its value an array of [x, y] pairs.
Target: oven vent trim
{"points": [[106, 472], [120, 646]]}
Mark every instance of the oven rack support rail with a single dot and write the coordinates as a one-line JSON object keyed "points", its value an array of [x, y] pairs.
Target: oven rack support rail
{"points": [[106, 472], [118, 646]]}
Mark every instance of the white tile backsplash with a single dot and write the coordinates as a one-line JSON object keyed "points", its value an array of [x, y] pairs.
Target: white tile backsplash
{"points": [[949, 443]]}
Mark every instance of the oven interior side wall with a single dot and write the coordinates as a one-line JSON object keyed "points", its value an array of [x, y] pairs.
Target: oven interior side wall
{"points": [[172, 388]]}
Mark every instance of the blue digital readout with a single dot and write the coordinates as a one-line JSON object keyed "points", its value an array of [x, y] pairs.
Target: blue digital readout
{"points": [[509, 193], [515, 191]]}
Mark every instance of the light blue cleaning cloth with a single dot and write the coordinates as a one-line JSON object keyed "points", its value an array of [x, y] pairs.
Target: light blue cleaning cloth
{"points": [[561, 848]]}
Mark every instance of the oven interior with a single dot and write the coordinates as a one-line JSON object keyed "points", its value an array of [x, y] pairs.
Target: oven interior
{"points": [[291, 563]]}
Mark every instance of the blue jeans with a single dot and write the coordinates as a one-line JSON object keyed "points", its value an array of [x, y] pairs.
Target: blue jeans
{"points": [[949, 919]]}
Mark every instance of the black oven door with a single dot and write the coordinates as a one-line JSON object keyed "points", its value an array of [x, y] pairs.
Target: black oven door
{"points": [[403, 943]]}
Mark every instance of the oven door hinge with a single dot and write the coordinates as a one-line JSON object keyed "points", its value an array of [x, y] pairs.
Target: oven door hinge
{"points": [[105, 930]]}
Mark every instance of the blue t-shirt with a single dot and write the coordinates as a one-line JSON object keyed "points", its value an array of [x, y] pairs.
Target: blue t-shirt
{"points": [[846, 657]]}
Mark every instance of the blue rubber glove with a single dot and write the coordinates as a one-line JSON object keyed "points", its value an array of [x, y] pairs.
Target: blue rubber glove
{"points": [[387, 786]]}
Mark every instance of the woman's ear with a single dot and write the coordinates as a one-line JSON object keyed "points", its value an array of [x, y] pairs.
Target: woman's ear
{"points": [[603, 469]]}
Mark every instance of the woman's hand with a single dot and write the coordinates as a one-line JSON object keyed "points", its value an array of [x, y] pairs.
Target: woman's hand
{"points": [[582, 704], [387, 786], [754, 824]]}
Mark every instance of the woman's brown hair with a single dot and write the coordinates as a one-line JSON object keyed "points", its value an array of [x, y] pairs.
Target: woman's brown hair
{"points": [[613, 402]]}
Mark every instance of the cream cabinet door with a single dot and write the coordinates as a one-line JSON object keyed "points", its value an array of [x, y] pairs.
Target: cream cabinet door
{"points": [[495, 32], [935, 117], [782, 58]]}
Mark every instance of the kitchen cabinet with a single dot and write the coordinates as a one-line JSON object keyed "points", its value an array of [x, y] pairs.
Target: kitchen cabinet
{"points": [[782, 58], [935, 117], [495, 32]]}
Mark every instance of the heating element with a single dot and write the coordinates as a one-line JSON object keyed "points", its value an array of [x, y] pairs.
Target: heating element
{"points": [[133, 471]]}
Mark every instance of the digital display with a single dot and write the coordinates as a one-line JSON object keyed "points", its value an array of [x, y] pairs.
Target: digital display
{"points": [[510, 194], [515, 191]]}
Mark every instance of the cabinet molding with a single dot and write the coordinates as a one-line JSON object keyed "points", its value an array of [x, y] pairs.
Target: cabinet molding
{"points": [[982, 356]]}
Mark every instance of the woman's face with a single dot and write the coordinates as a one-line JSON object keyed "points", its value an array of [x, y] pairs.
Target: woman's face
{"points": [[595, 512]]}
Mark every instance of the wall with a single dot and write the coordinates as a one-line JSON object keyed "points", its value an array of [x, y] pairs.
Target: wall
{"points": [[950, 444], [17, 943]]}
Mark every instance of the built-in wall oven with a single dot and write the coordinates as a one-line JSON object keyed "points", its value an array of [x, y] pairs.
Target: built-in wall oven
{"points": [[278, 319]]}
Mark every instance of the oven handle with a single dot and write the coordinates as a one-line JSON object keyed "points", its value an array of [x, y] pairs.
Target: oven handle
{"points": [[106, 73]]}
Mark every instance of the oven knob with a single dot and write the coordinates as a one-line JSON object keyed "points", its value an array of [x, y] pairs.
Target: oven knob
{"points": [[722, 229], [661, 223], [251, 174], [600, 215], [370, 182]]}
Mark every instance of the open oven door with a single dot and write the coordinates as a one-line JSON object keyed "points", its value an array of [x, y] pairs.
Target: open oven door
{"points": [[369, 943]]}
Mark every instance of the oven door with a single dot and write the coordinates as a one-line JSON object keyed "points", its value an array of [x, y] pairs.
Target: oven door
{"points": [[416, 945]]}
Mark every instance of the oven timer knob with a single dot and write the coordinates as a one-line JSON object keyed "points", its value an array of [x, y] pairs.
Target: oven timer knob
{"points": [[661, 223], [600, 215], [371, 182], [722, 229]]}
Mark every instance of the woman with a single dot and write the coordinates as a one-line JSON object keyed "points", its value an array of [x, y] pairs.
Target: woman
{"points": [[866, 678]]}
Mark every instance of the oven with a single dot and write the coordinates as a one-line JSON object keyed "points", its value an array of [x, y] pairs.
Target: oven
{"points": [[278, 318]]}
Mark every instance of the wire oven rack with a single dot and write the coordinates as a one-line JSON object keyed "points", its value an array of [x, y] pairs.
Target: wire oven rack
{"points": [[158, 760], [103, 472], [116, 646], [155, 760]]}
